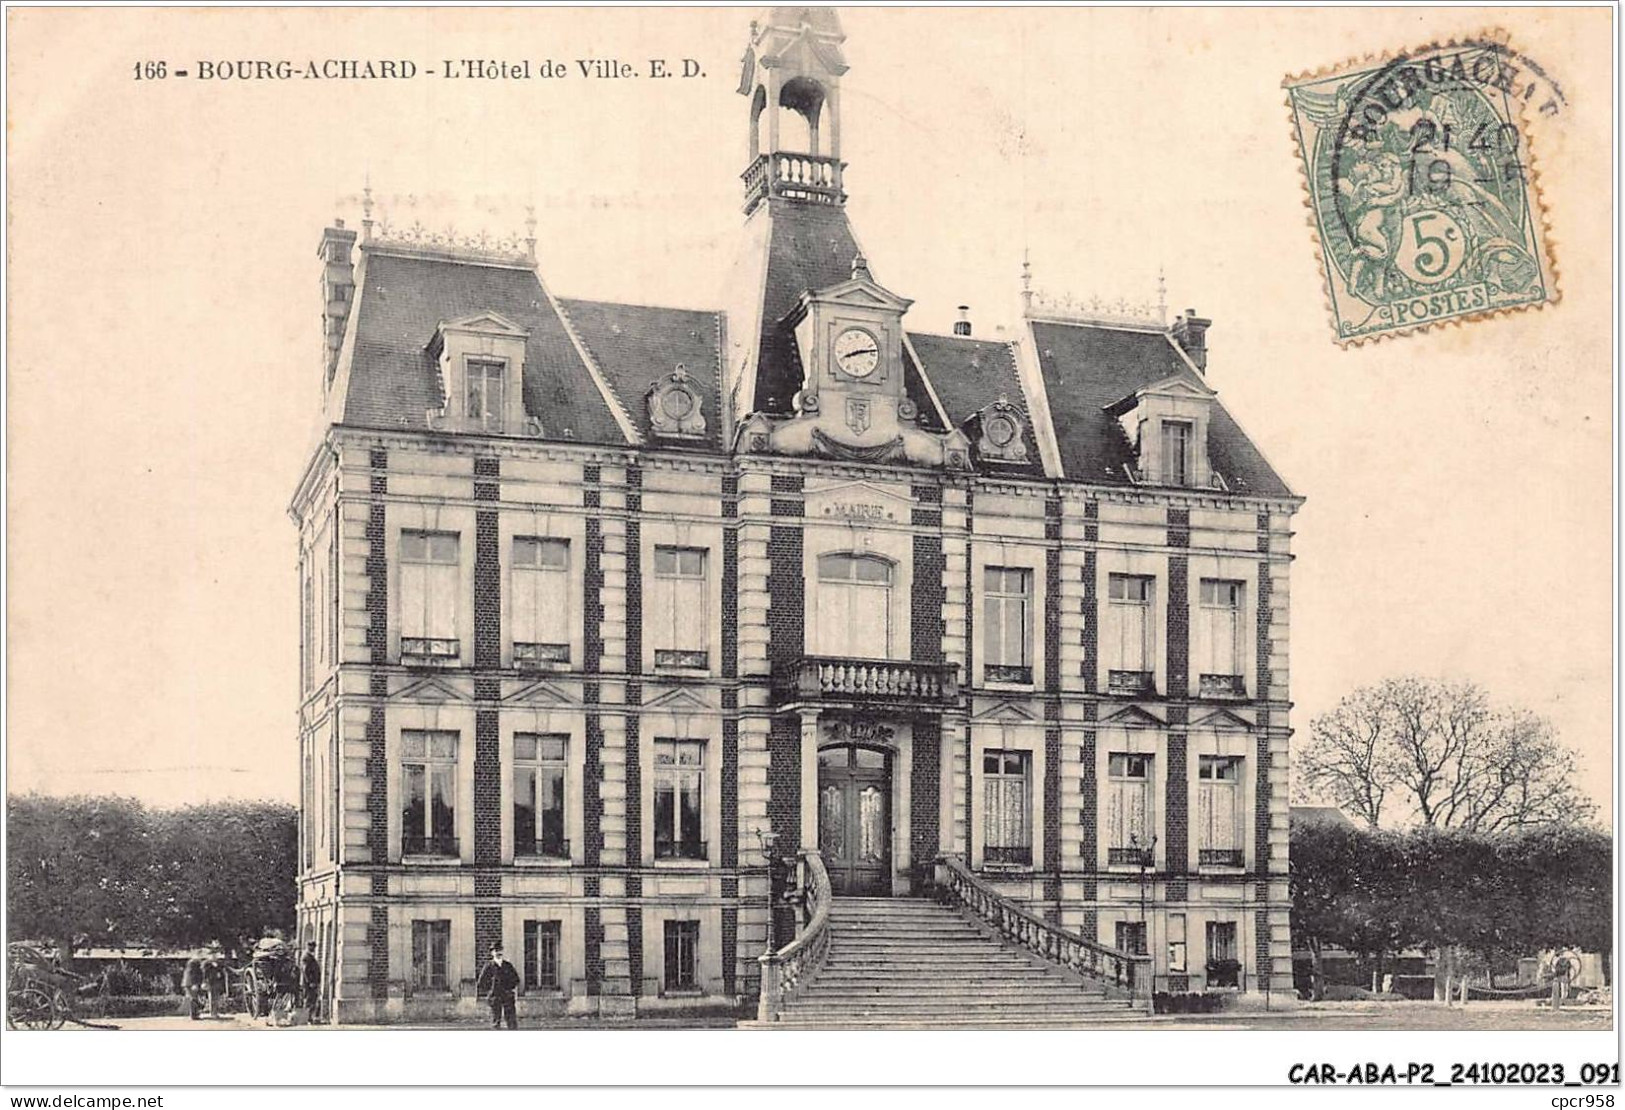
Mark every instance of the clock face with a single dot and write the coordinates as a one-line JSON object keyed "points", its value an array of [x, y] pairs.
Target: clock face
{"points": [[857, 352]]}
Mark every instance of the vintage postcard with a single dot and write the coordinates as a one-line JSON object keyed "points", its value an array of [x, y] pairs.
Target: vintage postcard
{"points": [[802, 519]]}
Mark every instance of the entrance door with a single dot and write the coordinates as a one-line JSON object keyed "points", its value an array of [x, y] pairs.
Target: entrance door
{"points": [[854, 818]]}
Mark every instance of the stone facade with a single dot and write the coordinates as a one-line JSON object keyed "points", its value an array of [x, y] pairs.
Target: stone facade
{"points": [[656, 890]]}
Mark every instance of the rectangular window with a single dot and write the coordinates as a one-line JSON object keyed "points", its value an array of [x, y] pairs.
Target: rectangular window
{"points": [[541, 600], [1006, 808], [1176, 942], [679, 799], [1131, 938], [1007, 598], [1223, 968], [682, 955], [1219, 827], [1218, 646], [1176, 452], [431, 955], [429, 788], [485, 381], [538, 795], [541, 955], [677, 609], [1128, 809], [429, 588], [1130, 635]]}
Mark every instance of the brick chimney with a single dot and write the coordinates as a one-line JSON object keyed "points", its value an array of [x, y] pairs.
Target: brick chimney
{"points": [[338, 289], [1190, 332], [962, 325]]}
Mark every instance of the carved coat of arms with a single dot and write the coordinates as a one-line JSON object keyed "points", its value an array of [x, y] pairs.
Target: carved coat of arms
{"points": [[857, 414]]}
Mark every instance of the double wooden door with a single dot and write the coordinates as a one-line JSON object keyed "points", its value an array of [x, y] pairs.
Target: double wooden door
{"points": [[854, 818]]}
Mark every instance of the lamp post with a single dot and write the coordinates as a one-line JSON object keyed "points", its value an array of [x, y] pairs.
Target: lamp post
{"points": [[1146, 856], [766, 841]]}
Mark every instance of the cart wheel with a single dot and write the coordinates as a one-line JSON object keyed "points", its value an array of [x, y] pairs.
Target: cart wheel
{"points": [[60, 1009], [30, 1008]]}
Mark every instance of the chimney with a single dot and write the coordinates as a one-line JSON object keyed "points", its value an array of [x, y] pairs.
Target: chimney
{"points": [[962, 325], [1190, 332], [338, 290]]}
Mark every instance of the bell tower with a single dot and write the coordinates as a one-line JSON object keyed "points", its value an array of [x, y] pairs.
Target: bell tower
{"points": [[792, 74]]}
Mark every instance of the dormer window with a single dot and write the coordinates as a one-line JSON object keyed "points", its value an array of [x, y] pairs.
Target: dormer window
{"points": [[481, 362], [1177, 437], [1166, 423], [485, 391]]}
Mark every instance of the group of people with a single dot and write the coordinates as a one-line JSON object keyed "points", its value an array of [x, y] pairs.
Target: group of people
{"points": [[204, 980]]}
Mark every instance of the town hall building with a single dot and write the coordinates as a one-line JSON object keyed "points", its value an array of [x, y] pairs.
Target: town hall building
{"points": [[609, 609]]}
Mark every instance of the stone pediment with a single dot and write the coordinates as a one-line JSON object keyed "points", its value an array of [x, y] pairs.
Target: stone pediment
{"points": [[432, 690], [1223, 719], [543, 694], [1133, 716], [679, 700], [487, 323], [1011, 712]]}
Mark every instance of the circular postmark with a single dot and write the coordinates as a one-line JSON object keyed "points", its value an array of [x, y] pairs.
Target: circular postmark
{"points": [[1419, 172]]}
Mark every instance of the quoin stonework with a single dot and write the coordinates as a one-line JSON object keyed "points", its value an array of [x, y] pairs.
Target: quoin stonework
{"points": [[607, 609]]}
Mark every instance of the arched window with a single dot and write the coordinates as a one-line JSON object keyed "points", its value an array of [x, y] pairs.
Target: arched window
{"points": [[853, 603], [798, 130]]}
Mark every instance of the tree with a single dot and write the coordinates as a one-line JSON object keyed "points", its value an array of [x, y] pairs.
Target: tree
{"points": [[109, 871], [1348, 892], [1438, 754]]}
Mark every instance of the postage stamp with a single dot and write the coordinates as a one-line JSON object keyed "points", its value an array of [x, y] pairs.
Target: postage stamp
{"points": [[1421, 186]]}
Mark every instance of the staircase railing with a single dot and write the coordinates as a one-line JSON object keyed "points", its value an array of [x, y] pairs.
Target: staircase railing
{"points": [[788, 969], [1125, 972]]}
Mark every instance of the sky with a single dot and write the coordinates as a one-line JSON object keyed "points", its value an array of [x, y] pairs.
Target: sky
{"points": [[163, 377]]}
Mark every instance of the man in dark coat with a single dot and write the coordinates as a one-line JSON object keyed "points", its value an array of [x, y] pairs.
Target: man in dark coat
{"points": [[310, 979], [214, 983], [502, 980], [191, 984]]}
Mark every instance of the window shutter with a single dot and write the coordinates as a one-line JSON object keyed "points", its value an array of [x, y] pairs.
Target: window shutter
{"points": [[526, 606], [1224, 816], [1204, 815], [443, 601], [1114, 817]]}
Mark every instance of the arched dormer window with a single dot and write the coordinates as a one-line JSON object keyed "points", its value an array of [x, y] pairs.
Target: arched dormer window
{"points": [[853, 604]]}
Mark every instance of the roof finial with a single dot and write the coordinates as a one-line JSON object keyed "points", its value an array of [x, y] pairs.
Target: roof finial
{"points": [[366, 208], [1162, 297], [1026, 280], [530, 232], [860, 268]]}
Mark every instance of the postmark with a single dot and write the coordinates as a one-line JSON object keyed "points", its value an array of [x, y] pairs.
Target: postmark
{"points": [[1421, 185]]}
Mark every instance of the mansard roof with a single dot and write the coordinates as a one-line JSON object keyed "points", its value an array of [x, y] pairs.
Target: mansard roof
{"points": [[1087, 368], [400, 300], [634, 345], [970, 374]]}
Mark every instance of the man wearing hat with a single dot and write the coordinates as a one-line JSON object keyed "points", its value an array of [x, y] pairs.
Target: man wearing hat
{"points": [[310, 980], [502, 980]]}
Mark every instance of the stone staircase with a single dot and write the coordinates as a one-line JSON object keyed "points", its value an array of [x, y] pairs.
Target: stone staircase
{"points": [[909, 963]]}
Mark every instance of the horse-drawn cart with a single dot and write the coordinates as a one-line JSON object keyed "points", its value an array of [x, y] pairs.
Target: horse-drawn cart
{"points": [[268, 985], [39, 991]]}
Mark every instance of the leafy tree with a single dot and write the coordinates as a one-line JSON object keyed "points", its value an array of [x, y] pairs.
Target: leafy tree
{"points": [[1348, 889], [108, 871], [1418, 751]]}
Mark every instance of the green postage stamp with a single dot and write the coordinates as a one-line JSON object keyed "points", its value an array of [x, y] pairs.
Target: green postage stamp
{"points": [[1421, 189]]}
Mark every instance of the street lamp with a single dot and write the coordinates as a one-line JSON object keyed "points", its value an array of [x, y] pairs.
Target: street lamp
{"points": [[1147, 855], [766, 840]]}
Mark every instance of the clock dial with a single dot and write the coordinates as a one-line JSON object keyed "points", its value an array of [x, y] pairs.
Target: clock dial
{"points": [[857, 352]]}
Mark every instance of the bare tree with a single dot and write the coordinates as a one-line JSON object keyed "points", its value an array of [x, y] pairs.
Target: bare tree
{"points": [[1421, 751]]}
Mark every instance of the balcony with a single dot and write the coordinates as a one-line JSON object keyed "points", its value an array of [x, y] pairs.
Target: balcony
{"points": [[682, 849], [1007, 673], [1220, 857], [439, 847], [1129, 857], [423, 651], [1130, 682], [1007, 857], [1228, 687], [896, 682], [542, 849], [804, 177], [540, 655]]}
